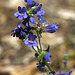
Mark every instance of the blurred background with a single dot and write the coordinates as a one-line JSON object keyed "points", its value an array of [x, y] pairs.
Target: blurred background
{"points": [[16, 58]]}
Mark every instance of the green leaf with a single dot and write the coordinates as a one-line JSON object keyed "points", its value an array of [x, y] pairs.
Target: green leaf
{"points": [[45, 52], [40, 56]]}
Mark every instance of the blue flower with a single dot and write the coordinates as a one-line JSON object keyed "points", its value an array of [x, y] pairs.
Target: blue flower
{"points": [[32, 20], [51, 28], [29, 2], [34, 11], [26, 24], [65, 62], [25, 0], [19, 32], [47, 56], [66, 53], [65, 73], [52, 72], [31, 41], [41, 19], [21, 14], [40, 66], [41, 12], [37, 9]]}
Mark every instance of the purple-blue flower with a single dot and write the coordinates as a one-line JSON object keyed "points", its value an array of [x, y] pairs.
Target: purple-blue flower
{"points": [[65, 62], [41, 12], [19, 32], [47, 56], [41, 19], [66, 53], [52, 72], [21, 14], [40, 66], [37, 9], [51, 28], [31, 41], [32, 20], [25, 0], [65, 73], [29, 1], [26, 24]]}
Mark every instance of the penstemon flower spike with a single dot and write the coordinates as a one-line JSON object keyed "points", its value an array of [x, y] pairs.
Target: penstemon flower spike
{"points": [[26, 34]]}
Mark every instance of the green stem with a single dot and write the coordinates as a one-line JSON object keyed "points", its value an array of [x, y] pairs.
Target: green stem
{"points": [[65, 67], [40, 43], [39, 40], [38, 49], [47, 70], [34, 50], [48, 65]]}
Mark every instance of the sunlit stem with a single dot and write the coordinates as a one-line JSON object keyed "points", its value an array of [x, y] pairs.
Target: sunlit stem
{"points": [[34, 50], [38, 49], [40, 43]]}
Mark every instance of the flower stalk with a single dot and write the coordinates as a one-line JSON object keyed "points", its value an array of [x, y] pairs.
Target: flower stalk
{"points": [[26, 15]]}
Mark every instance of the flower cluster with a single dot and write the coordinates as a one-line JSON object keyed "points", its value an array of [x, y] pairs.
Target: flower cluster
{"points": [[32, 31], [27, 14]]}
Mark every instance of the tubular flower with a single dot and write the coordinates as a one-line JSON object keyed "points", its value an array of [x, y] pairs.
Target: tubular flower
{"points": [[29, 2], [41, 12], [40, 66], [65, 73], [52, 72], [51, 28], [21, 14], [32, 20], [26, 24], [19, 32], [41, 19], [31, 41], [47, 56], [37, 9]]}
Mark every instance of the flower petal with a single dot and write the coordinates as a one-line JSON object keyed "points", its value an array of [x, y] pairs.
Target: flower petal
{"points": [[20, 17], [30, 44], [51, 31], [32, 20], [25, 15], [35, 43], [26, 41], [30, 1], [41, 12], [16, 14], [19, 8]]}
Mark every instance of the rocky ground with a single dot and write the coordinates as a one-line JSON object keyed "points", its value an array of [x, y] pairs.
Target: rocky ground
{"points": [[16, 57]]}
